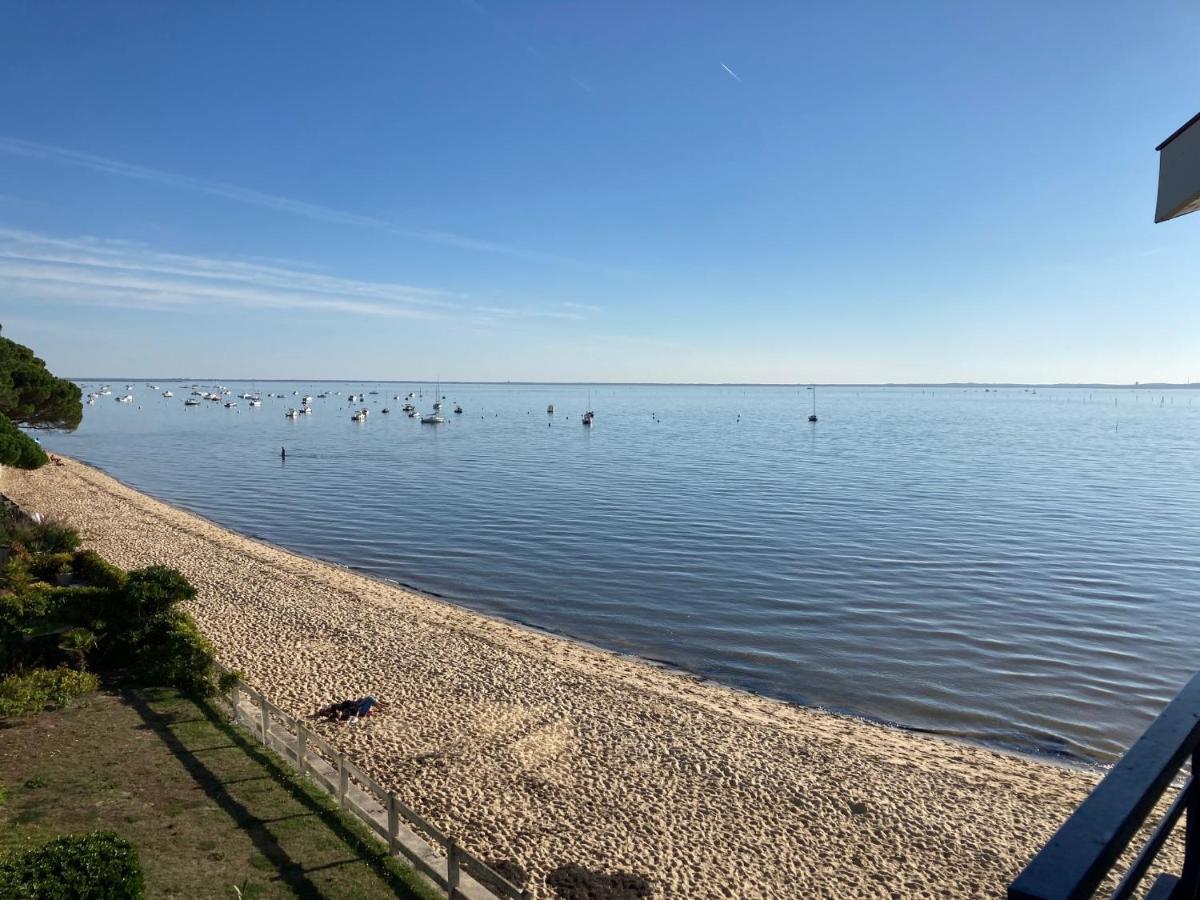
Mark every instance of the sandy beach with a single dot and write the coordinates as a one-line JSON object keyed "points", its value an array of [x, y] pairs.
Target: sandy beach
{"points": [[545, 752]]}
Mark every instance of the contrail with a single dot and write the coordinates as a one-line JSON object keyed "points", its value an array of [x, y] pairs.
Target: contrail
{"points": [[65, 156], [732, 74]]}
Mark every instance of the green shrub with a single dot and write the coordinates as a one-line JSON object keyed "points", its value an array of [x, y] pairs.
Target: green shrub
{"points": [[151, 592], [19, 450], [49, 536], [95, 866], [42, 689], [48, 566], [93, 569], [175, 653]]}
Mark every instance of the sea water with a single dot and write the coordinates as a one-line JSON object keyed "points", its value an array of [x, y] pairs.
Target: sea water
{"points": [[1017, 568]]}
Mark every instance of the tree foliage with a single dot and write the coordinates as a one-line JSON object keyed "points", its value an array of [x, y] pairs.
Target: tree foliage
{"points": [[31, 395]]}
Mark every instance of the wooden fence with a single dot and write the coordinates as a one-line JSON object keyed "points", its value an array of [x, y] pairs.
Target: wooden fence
{"points": [[459, 873]]}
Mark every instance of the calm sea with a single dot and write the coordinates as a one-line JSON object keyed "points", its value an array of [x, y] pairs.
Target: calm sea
{"points": [[1019, 569]]}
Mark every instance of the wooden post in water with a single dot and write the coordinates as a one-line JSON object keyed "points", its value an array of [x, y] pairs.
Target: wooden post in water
{"points": [[393, 823], [343, 781], [301, 745], [452, 866]]}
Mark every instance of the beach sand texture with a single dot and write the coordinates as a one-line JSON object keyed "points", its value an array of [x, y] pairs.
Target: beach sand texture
{"points": [[538, 750]]}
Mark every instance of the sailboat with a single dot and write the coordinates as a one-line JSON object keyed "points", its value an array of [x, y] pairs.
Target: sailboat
{"points": [[589, 415], [813, 417], [435, 417]]}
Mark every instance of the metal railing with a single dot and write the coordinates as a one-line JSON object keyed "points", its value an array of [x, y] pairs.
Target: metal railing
{"points": [[459, 873], [1088, 846]]}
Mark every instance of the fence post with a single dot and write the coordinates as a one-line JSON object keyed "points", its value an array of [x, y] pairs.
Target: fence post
{"points": [[301, 746], [393, 822], [235, 699], [1189, 877], [343, 781], [452, 866], [266, 717]]}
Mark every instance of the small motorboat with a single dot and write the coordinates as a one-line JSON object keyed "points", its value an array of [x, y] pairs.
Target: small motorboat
{"points": [[254, 401], [550, 410], [587, 418], [292, 414], [385, 410], [168, 394], [191, 401], [306, 410], [432, 419], [232, 404], [128, 398], [457, 410]]}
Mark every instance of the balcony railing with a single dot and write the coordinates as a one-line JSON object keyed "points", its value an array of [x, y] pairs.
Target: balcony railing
{"points": [[1087, 848]]}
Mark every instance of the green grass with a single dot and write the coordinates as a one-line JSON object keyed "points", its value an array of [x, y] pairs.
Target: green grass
{"points": [[208, 810]]}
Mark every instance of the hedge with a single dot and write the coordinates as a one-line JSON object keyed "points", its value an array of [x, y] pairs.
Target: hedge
{"points": [[95, 866]]}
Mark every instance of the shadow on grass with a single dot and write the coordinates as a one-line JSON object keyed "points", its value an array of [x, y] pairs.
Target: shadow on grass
{"points": [[357, 839]]}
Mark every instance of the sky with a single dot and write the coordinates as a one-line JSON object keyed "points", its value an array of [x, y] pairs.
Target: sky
{"points": [[598, 191]]}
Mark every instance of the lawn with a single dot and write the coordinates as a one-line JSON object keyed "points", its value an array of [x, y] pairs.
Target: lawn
{"points": [[209, 811]]}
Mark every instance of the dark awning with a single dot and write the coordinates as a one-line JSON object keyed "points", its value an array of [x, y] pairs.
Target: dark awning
{"points": [[1179, 172]]}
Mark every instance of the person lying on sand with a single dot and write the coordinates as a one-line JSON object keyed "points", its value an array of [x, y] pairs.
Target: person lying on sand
{"points": [[351, 710]]}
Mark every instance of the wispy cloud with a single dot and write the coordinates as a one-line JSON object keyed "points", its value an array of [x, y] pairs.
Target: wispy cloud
{"points": [[304, 209], [732, 74], [112, 273]]}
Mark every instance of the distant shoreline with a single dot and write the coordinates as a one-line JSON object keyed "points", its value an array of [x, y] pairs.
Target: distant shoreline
{"points": [[1148, 385]]}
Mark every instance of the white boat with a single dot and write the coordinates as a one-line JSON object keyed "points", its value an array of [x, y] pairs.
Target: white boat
{"points": [[128, 398], [589, 415], [91, 401], [168, 394], [292, 414], [435, 417], [254, 401], [306, 410], [232, 404], [191, 401]]}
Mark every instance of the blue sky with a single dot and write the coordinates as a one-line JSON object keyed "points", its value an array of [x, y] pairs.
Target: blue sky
{"points": [[598, 190]]}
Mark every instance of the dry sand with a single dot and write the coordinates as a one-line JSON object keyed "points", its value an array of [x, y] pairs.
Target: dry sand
{"points": [[542, 751]]}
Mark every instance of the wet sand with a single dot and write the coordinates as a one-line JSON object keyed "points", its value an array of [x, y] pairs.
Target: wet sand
{"points": [[546, 752]]}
